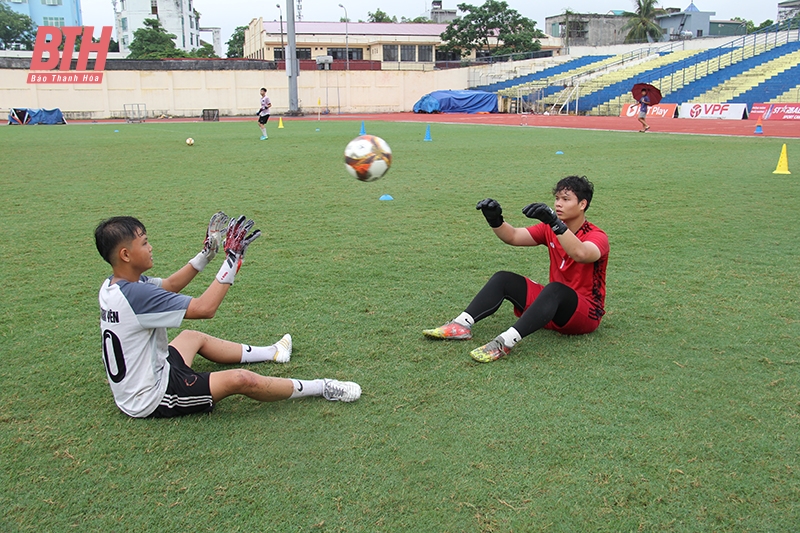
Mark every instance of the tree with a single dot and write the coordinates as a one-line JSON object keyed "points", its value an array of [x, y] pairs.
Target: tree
{"points": [[766, 24], [417, 20], [641, 25], [236, 43], [16, 29], [153, 42], [493, 27], [748, 25], [380, 16], [205, 51]]}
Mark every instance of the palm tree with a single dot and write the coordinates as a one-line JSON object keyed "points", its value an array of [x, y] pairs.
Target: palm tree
{"points": [[641, 25]]}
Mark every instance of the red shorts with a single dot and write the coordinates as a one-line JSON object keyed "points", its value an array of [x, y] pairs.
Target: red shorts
{"points": [[579, 324]]}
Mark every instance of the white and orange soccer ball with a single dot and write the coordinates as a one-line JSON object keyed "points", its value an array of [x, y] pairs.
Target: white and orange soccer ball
{"points": [[190, 141], [367, 158]]}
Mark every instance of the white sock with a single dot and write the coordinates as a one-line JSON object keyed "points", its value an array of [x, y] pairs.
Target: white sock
{"points": [[464, 319], [264, 132], [510, 337], [305, 387], [257, 354]]}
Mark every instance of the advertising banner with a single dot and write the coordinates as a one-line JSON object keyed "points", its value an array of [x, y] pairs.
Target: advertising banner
{"points": [[654, 111], [783, 111], [724, 111]]}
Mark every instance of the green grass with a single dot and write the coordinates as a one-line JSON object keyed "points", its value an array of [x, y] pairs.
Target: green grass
{"points": [[680, 413]]}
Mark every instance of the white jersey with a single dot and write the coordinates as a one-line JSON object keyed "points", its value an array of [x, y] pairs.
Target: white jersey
{"points": [[133, 322], [264, 106]]}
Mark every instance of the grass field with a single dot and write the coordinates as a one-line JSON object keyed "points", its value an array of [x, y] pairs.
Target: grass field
{"points": [[680, 413]]}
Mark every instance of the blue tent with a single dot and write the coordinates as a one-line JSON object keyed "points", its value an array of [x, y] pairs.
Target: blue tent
{"points": [[24, 116], [457, 102]]}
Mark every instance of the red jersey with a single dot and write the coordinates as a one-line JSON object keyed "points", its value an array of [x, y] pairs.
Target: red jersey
{"points": [[587, 279]]}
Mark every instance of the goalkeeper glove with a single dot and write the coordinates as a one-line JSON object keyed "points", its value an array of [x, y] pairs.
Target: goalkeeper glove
{"points": [[236, 243], [544, 213], [492, 211], [215, 234]]}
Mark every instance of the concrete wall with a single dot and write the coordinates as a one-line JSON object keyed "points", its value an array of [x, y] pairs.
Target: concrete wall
{"points": [[185, 93]]}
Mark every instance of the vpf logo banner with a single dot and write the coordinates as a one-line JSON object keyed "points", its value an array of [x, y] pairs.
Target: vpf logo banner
{"points": [[48, 40]]}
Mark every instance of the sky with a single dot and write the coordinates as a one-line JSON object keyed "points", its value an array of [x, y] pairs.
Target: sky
{"points": [[228, 14]]}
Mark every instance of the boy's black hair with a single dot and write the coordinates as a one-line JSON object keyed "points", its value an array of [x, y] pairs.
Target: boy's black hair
{"points": [[263, 89], [114, 231], [579, 185]]}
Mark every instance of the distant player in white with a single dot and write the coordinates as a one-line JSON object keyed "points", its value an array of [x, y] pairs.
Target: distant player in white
{"points": [[150, 377], [263, 114]]}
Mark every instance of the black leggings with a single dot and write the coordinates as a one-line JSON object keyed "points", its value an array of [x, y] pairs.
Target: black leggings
{"points": [[556, 302]]}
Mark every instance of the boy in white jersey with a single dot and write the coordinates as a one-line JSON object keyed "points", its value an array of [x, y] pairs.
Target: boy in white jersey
{"points": [[263, 114], [150, 377]]}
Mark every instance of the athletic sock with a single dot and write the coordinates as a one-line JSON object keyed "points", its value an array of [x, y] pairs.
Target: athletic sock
{"points": [[305, 387], [465, 319], [257, 354], [510, 337]]}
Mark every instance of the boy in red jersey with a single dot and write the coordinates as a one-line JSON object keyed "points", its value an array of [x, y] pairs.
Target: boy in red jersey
{"points": [[572, 303]]}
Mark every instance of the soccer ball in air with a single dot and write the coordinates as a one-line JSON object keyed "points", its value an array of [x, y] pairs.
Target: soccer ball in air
{"points": [[190, 141], [367, 157]]}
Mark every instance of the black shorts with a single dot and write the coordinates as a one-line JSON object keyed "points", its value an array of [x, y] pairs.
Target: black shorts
{"points": [[187, 392], [262, 119]]}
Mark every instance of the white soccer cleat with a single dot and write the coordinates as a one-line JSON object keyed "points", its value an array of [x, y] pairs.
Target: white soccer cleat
{"points": [[284, 349], [341, 391]]}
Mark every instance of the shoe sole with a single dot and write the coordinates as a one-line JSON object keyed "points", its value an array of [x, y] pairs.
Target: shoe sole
{"points": [[433, 335]]}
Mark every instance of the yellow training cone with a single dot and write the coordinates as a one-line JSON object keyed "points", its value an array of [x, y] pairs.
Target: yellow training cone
{"points": [[783, 163], [280, 123]]}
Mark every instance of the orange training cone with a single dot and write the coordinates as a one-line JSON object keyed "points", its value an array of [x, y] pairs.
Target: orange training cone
{"points": [[783, 163], [280, 123], [759, 129]]}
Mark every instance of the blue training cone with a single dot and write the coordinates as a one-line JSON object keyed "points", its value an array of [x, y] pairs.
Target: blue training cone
{"points": [[759, 129], [428, 133], [363, 131], [386, 197]]}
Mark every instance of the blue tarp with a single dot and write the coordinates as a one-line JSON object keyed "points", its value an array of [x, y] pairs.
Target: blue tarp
{"points": [[24, 116], [457, 102]]}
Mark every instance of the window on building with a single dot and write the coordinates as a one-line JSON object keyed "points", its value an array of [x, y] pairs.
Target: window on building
{"points": [[125, 40], [304, 53], [122, 4], [191, 22], [699, 33], [191, 39], [154, 7], [124, 23], [447, 56], [53, 21], [341, 53], [408, 52], [279, 54], [19, 1], [390, 52], [51, 2], [425, 53]]}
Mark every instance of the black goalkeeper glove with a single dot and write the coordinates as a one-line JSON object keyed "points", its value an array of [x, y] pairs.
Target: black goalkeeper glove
{"points": [[492, 211], [544, 213]]}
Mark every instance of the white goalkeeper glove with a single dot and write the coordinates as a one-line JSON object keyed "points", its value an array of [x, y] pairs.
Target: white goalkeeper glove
{"points": [[215, 235], [236, 242]]}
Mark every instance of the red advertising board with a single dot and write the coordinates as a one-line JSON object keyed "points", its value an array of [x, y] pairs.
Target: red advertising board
{"points": [[654, 111], [784, 111]]}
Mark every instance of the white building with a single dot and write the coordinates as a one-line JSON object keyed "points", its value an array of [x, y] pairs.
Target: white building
{"points": [[176, 16]]}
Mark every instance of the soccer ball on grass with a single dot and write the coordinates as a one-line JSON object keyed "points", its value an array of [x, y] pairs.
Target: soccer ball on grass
{"points": [[367, 157], [190, 141]]}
